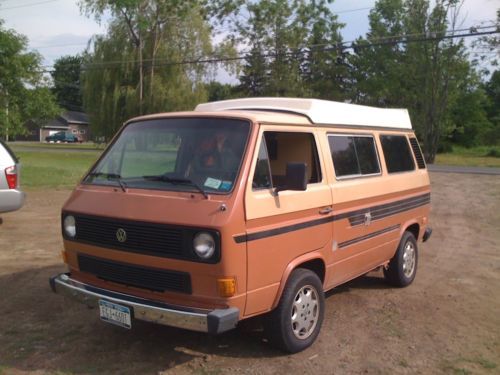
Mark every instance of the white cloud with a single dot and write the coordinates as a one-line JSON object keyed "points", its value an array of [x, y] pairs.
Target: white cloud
{"points": [[58, 23]]}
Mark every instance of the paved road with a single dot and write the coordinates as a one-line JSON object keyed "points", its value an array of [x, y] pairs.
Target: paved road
{"points": [[456, 169]]}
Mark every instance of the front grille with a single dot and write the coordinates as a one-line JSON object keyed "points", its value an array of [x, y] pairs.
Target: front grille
{"points": [[137, 276], [154, 239], [141, 237], [418, 153]]}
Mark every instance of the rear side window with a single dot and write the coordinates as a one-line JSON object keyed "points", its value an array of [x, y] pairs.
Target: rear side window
{"points": [[418, 153], [9, 151], [397, 153], [353, 155], [279, 148]]}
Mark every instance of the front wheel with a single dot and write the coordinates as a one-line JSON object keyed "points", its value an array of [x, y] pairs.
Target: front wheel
{"points": [[403, 266], [295, 323]]}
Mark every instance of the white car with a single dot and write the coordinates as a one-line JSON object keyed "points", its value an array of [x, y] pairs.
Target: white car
{"points": [[11, 196]]}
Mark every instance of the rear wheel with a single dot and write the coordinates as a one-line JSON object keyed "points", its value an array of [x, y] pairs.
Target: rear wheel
{"points": [[403, 266], [295, 323]]}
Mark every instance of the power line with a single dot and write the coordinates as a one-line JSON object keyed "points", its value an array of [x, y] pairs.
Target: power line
{"points": [[390, 40], [29, 5], [60, 45], [351, 10]]}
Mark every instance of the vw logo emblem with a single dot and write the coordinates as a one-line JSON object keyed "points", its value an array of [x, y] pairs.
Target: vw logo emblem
{"points": [[121, 235]]}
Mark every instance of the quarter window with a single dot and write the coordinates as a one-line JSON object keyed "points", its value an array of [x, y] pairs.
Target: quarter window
{"points": [[279, 148], [398, 157], [353, 156]]}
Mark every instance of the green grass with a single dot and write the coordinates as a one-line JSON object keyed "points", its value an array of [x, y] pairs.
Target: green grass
{"points": [[54, 169], [41, 145], [480, 156], [456, 366]]}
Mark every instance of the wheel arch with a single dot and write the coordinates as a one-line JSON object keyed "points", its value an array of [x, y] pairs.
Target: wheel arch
{"points": [[413, 227], [311, 261]]}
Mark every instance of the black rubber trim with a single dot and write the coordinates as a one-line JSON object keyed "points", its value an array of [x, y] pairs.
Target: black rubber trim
{"points": [[368, 236], [427, 234], [378, 212], [219, 321]]}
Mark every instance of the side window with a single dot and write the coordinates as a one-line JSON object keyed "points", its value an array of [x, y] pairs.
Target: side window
{"points": [[397, 153], [279, 148], [418, 153], [353, 155], [262, 175]]}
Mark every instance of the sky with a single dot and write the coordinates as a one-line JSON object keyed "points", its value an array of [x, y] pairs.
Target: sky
{"points": [[57, 28]]}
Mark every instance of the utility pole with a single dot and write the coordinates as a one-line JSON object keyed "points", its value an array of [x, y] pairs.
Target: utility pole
{"points": [[7, 117]]}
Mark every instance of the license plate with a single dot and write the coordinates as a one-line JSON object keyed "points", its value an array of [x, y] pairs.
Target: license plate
{"points": [[115, 314]]}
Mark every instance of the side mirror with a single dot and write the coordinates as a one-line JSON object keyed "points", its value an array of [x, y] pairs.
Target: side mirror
{"points": [[295, 178]]}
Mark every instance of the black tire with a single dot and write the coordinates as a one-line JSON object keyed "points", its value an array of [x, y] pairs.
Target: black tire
{"points": [[403, 266], [285, 334]]}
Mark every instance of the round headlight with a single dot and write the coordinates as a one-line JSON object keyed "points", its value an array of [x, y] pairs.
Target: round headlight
{"points": [[69, 225], [204, 245]]}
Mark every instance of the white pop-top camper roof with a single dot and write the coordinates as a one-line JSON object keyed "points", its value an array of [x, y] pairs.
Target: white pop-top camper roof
{"points": [[318, 111]]}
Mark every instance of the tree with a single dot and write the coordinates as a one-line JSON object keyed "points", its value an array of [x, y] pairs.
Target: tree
{"points": [[407, 60], [66, 81], [24, 94], [326, 71], [468, 115], [487, 49], [491, 135], [143, 63], [220, 91], [294, 49], [378, 74]]}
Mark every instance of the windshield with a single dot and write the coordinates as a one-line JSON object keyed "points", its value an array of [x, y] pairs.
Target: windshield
{"points": [[183, 154]]}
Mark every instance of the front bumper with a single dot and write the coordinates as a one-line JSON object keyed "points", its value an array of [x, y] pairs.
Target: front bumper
{"points": [[211, 321]]}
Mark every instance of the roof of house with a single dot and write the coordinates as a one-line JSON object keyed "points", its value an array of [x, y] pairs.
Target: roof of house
{"points": [[317, 111], [55, 123], [75, 117], [66, 118]]}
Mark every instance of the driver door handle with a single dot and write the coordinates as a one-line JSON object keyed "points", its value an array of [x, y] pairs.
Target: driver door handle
{"points": [[325, 210]]}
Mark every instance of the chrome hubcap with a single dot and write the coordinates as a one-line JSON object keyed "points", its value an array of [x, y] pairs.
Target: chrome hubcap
{"points": [[305, 312], [409, 259]]}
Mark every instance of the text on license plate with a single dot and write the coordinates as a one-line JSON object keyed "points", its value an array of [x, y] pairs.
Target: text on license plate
{"points": [[115, 314]]}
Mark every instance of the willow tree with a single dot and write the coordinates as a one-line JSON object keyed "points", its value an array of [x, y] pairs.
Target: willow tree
{"points": [[146, 62]]}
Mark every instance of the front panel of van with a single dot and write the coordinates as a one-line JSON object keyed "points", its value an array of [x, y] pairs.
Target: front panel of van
{"points": [[150, 209]]}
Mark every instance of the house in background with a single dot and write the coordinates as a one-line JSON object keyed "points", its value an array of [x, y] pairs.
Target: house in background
{"points": [[74, 122], [70, 121]]}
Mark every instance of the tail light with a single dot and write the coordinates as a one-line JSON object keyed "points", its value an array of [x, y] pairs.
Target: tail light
{"points": [[11, 175]]}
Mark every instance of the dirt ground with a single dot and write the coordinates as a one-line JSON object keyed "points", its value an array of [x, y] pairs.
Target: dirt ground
{"points": [[447, 321]]}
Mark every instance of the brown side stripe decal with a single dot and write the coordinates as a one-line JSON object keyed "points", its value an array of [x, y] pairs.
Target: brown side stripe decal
{"points": [[368, 236], [355, 217], [384, 210], [282, 230]]}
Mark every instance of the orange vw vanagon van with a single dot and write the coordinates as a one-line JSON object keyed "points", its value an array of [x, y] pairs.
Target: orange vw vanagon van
{"points": [[245, 207]]}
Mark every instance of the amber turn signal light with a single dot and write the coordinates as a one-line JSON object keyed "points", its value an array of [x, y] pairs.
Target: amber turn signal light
{"points": [[226, 287]]}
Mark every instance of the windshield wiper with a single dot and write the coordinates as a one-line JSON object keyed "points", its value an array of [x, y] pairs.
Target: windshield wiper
{"points": [[113, 176], [177, 180]]}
